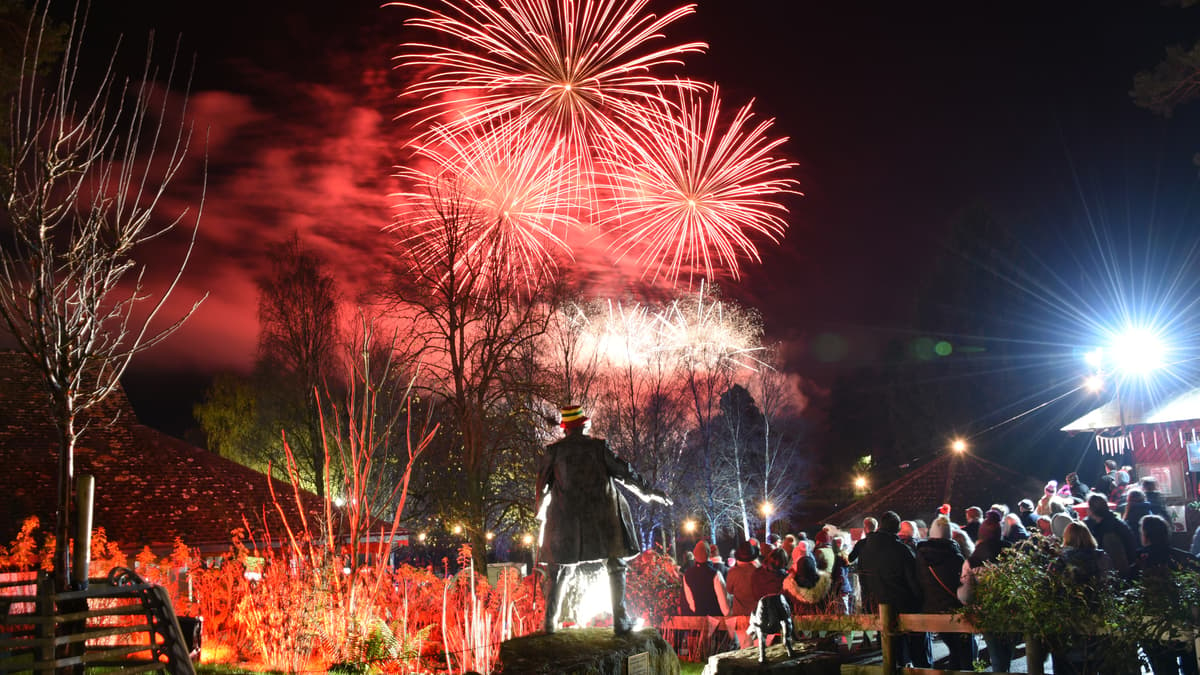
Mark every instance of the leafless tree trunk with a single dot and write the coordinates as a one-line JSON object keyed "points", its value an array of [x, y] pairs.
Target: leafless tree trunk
{"points": [[298, 338], [81, 192], [472, 325]]}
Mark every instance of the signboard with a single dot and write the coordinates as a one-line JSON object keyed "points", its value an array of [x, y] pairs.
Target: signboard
{"points": [[1169, 477], [1193, 455], [638, 664]]}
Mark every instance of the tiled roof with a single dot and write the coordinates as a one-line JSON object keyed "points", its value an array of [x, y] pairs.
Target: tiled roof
{"points": [[150, 487], [959, 480]]}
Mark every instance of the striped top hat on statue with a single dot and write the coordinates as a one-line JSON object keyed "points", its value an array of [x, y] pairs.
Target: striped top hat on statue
{"points": [[572, 416]]}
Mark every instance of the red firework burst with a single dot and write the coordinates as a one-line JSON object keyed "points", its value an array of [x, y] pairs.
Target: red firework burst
{"points": [[495, 208], [576, 70], [690, 193]]}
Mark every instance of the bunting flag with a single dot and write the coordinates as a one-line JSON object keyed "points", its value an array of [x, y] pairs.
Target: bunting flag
{"points": [[1111, 445]]}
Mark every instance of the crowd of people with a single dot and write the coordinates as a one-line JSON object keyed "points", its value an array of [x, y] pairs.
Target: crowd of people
{"points": [[1117, 530]]}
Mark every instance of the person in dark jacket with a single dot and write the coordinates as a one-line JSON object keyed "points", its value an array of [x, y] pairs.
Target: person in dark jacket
{"points": [[1090, 568], [1154, 497], [867, 603], [1154, 563], [1079, 489], [1013, 530], [704, 587], [1111, 534], [584, 517], [939, 566], [768, 579], [1029, 519], [974, 518], [988, 546], [1136, 508], [892, 572]]}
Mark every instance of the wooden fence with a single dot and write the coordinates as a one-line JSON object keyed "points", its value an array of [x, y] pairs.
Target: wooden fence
{"points": [[890, 626], [120, 623]]}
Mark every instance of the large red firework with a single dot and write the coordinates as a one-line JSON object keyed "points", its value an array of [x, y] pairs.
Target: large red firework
{"points": [[575, 70], [493, 199], [690, 194]]}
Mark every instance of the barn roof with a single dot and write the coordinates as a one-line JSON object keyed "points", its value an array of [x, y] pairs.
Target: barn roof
{"points": [[150, 487], [959, 480]]}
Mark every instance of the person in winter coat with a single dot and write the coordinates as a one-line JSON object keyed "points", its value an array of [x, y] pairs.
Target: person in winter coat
{"points": [[988, 546], [974, 518], [584, 517], [1111, 534], [1154, 497], [1089, 567], [1079, 489], [1154, 563], [843, 586], [768, 578], [740, 581], [892, 570], [806, 587], [1013, 530], [1136, 507], [867, 604], [822, 551], [939, 567], [1028, 518], [704, 587]]}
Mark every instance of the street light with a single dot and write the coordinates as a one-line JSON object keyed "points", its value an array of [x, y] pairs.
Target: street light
{"points": [[689, 526], [1136, 351], [767, 509], [860, 482], [421, 537], [457, 529], [527, 539], [959, 446]]}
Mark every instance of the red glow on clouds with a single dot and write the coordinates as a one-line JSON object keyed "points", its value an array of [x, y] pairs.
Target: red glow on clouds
{"points": [[319, 160]]}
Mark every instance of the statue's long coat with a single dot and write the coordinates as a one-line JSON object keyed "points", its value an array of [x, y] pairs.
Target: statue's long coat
{"points": [[587, 518]]}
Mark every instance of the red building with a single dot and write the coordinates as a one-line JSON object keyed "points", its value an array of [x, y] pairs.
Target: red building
{"points": [[1159, 439]]}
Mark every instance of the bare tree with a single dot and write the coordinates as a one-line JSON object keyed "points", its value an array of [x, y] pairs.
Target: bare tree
{"points": [[781, 466], [369, 431], [715, 342], [81, 190], [471, 328], [297, 341]]}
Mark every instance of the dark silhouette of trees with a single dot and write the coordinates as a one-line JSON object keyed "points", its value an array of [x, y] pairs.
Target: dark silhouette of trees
{"points": [[298, 340]]}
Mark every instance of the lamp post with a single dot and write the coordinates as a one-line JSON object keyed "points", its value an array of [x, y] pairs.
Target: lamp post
{"points": [[689, 528]]}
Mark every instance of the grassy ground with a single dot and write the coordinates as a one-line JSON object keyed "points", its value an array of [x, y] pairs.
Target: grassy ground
{"points": [[689, 668]]}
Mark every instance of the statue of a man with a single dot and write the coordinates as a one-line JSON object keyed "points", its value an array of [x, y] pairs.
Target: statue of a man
{"points": [[584, 517]]}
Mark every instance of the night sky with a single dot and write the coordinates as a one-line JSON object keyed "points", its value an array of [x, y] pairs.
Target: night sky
{"points": [[903, 118]]}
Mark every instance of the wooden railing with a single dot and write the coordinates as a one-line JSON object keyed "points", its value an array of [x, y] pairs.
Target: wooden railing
{"points": [[889, 625], [120, 622]]}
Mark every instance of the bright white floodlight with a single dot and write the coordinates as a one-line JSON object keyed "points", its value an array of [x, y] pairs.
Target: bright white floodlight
{"points": [[1137, 351]]}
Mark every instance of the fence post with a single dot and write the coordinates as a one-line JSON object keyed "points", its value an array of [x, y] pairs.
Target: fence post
{"points": [[1035, 656], [44, 629], [887, 638]]}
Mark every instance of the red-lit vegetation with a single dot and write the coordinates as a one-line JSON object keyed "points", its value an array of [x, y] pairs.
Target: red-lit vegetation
{"points": [[268, 609]]}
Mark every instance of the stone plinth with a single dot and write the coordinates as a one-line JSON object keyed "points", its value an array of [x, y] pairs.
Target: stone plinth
{"points": [[587, 651], [745, 662]]}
